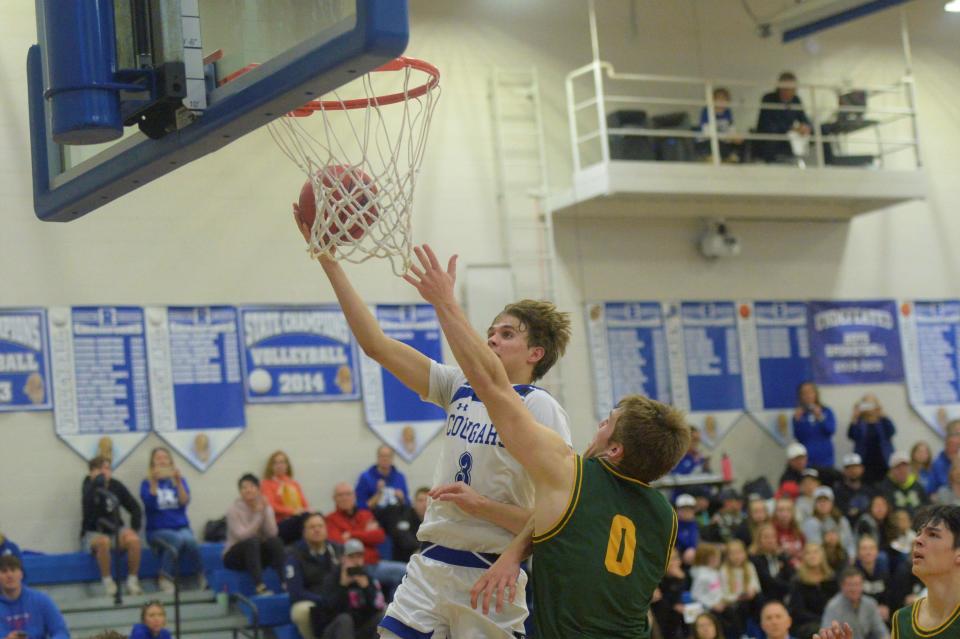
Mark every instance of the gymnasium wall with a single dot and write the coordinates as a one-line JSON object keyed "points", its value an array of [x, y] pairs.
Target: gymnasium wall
{"points": [[219, 231]]}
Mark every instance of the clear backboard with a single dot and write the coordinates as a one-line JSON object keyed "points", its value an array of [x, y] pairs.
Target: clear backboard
{"points": [[123, 92]]}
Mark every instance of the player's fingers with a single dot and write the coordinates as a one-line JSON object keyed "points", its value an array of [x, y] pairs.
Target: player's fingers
{"points": [[434, 262], [424, 260], [452, 266], [412, 281], [500, 588], [487, 593], [513, 592], [475, 591]]}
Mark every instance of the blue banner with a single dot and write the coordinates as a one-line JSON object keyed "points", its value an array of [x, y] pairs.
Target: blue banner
{"points": [[393, 411], [101, 385], [628, 347], [196, 380], [24, 360], [298, 354], [930, 335], [855, 342]]}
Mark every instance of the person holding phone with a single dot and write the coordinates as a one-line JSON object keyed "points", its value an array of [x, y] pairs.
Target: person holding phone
{"points": [[814, 426], [352, 589], [872, 434], [26, 613]]}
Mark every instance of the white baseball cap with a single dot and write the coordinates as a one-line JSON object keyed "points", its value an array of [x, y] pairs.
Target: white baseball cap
{"points": [[686, 501], [795, 449], [898, 458], [823, 491], [852, 459]]}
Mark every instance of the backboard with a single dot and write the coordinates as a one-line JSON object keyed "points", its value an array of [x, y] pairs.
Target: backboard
{"points": [[122, 92]]}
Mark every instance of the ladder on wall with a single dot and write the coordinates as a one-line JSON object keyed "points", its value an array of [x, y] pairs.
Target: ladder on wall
{"points": [[522, 189]]}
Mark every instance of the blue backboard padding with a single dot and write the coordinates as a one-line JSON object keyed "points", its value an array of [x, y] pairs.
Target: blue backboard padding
{"points": [[314, 67]]}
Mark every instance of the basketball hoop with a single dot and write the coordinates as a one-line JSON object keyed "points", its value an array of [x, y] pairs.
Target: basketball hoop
{"points": [[362, 160]]}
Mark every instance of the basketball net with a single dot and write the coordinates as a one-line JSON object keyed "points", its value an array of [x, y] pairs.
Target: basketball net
{"points": [[381, 135]]}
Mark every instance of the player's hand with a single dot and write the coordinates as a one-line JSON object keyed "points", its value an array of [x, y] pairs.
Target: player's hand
{"points": [[304, 228], [501, 577], [835, 631], [461, 494], [434, 284]]}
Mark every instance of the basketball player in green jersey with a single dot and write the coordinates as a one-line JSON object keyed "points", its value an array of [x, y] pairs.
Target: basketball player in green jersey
{"points": [[936, 562], [601, 534]]}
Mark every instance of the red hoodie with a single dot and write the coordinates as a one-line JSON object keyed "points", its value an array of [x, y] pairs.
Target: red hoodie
{"points": [[358, 524]]}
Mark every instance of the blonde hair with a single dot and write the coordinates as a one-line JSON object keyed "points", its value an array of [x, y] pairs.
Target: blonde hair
{"points": [[546, 327], [729, 570], [808, 575], [755, 542], [268, 471], [654, 437], [705, 552]]}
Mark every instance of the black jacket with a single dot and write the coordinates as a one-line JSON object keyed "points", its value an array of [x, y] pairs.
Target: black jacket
{"points": [[306, 573], [100, 513], [773, 586], [361, 603]]}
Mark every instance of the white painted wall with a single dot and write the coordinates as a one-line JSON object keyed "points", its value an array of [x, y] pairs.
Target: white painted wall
{"points": [[219, 231]]}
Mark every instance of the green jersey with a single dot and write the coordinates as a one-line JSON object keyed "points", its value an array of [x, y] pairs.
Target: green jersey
{"points": [[906, 625], [595, 570]]}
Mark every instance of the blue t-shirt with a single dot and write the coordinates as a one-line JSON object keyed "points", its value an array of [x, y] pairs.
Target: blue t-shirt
{"points": [[817, 436], [34, 613], [140, 631], [367, 485], [163, 509]]}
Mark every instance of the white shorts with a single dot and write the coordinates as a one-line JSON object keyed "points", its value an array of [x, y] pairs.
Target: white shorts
{"points": [[433, 601]]}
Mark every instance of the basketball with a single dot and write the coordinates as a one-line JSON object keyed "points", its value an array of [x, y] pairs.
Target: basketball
{"points": [[348, 190]]}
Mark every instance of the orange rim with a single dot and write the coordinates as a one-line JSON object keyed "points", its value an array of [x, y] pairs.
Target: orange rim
{"points": [[397, 64]]}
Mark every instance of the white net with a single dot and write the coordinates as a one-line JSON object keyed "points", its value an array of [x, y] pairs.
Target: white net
{"points": [[361, 157]]}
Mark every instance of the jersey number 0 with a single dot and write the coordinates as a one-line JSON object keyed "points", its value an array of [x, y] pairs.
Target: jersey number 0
{"points": [[621, 546]]}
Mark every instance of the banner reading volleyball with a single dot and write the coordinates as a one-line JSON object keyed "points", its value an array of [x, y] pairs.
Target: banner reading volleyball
{"points": [[775, 345], [705, 365], [24, 360], [196, 385], [628, 348], [298, 354], [930, 334], [100, 382], [855, 342], [394, 412]]}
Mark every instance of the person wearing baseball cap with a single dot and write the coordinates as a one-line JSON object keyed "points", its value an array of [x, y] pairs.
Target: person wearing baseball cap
{"points": [[688, 532], [901, 487], [357, 592], [826, 518], [851, 495], [796, 463]]}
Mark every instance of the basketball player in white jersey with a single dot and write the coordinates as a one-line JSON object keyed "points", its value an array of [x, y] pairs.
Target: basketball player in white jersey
{"points": [[474, 468]]}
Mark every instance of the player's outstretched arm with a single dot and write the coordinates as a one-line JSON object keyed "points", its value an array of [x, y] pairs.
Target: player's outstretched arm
{"points": [[507, 516], [540, 450], [409, 365]]}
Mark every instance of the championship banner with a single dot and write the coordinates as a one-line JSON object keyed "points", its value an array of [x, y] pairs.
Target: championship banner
{"points": [[628, 347], [196, 386], [24, 360], [396, 414], [855, 342], [298, 354], [705, 371], [100, 383], [930, 334], [775, 346]]}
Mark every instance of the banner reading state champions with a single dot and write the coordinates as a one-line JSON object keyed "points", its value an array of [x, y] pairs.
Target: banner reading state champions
{"points": [[24, 360], [298, 354]]}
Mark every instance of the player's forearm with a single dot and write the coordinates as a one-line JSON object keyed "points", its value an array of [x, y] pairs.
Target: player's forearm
{"points": [[507, 516], [362, 323], [522, 545], [482, 368]]}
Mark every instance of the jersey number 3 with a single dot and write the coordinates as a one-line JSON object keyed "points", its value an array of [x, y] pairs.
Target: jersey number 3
{"points": [[621, 546], [466, 463]]}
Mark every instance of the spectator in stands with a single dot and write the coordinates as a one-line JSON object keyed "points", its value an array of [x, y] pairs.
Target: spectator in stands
{"points": [[852, 495], [731, 144], [407, 524], [310, 563], [790, 538], [833, 550], [693, 461], [853, 607], [773, 567], [153, 622], [102, 498], [872, 434], [667, 602], [901, 540], [757, 515], [814, 426], [827, 517], [808, 486], [796, 464], [781, 111], [741, 586], [707, 626], [775, 621], [706, 587], [355, 590], [921, 466], [812, 588], [875, 569], [285, 496], [382, 485], [688, 532], [941, 465], [949, 493], [347, 521], [165, 495], [727, 520], [26, 613], [7, 547], [876, 521], [900, 487], [252, 540]]}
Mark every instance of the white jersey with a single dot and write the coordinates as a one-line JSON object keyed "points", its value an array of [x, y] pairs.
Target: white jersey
{"points": [[472, 453]]}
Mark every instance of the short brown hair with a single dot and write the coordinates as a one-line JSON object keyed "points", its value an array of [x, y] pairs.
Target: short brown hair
{"points": [[10, 562], [654, 437], [98, 461], [268, 471], [546, 327]]}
